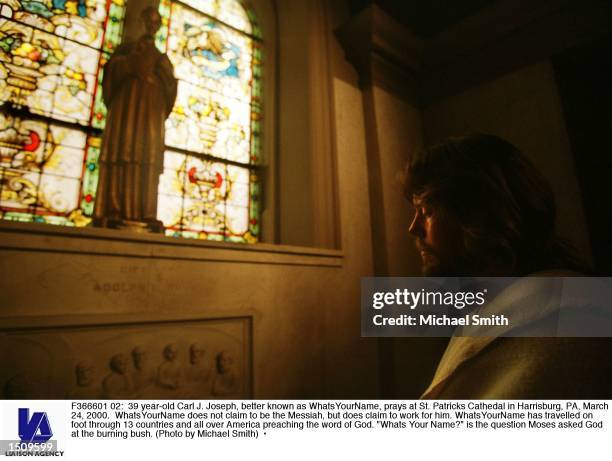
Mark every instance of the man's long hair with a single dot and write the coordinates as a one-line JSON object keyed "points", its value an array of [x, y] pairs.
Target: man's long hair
{"points": [[504, 205]]}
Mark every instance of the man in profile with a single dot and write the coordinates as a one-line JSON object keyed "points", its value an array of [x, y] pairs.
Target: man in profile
{"points": [[483, 210]]}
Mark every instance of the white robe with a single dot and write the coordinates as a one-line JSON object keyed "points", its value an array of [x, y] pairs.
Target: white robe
{"points": [[487, 365]]}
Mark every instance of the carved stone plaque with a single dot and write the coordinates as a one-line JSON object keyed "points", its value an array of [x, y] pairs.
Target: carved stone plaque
{"points": [[185, 359]]}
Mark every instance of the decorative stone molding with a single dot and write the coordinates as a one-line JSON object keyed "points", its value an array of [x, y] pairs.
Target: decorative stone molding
{"points": [[506, 36], [106, 242], [495, 40], [384, 52]]}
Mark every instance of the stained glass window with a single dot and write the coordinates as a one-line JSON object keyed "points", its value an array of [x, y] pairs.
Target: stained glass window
{"points": [[209, 188], [51, 111]]}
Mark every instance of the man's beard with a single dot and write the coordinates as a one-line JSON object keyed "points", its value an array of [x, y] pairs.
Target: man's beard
{"points": [[430, 262], [435, 265]]}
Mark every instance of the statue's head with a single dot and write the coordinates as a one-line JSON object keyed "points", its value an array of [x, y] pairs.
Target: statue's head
{"points": [[224, 362], [170, 352], [139, 357], [118, 364], [196, 352], [84, 373], [151, 20]]}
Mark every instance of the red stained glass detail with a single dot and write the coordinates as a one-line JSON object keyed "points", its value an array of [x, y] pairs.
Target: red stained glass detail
{"points": [[88, 198], [191, 175], [34, 55], [34, 142], [193, 178]]}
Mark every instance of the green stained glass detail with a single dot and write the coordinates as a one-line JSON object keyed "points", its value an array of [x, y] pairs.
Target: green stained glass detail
{"points": [[90, 176], [15, 216], [99, 112], [114, 25], [162, 34]]}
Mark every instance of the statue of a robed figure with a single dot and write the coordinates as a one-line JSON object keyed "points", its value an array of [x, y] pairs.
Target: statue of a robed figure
{"points": [[139, 89]]}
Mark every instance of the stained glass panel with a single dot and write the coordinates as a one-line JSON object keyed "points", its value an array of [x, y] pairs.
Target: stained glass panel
{"points": [[205, 122], [205, 199], [51, 76], [51, 114], [216, 53], [230, 12]]}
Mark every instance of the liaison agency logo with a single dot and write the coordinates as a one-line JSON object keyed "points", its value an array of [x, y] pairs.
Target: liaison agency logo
{"points": [[35, 429], [35, 433]]}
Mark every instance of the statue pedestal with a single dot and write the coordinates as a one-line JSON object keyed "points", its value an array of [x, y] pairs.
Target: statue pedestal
{"points": [[134, 226], [140, 227]]}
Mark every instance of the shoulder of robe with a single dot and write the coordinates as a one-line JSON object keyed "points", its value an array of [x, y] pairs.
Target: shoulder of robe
{"points": [[123, 49]]}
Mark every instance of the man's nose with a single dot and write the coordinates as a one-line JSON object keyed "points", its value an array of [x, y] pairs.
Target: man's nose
{"points": [[416, 226]]}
